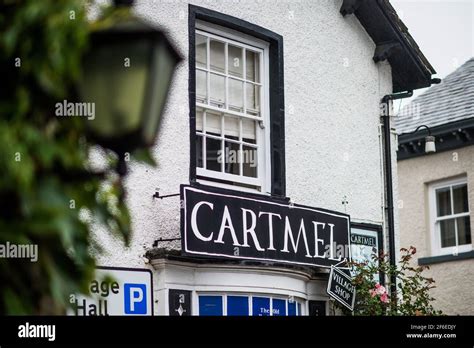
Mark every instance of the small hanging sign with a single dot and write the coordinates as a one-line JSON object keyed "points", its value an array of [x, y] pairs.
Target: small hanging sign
{"points": [[179, 303], [340, 287]]}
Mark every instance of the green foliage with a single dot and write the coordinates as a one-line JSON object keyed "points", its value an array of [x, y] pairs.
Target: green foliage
{"points": [[48, 194], [413, 288]]}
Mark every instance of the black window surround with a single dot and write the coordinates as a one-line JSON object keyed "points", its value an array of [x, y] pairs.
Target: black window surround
{"points": [[277, 103]]}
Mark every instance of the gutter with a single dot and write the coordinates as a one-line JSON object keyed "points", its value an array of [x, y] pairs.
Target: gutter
{"points": [[389, 183]]}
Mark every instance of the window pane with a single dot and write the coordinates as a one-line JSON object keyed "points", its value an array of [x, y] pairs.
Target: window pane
{"points": [[217, 56], [248, 130], [231, 127], [210, 305], [231, 157], [460, 201], [261, 306], [217, 90], [199, 120], [236, 95], [234, 62], [252, 66], [299, 309], [213, 150], [279, 307], [201, 86], [253, 99], [201, 51], [443, 201], [447, 233], [249, 159], [213, 123], [237, 305], [292, 308], [199, 151], [464, 230]]}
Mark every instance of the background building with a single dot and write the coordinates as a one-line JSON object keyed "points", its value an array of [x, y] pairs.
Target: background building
{"points": [[437, 190], [297, 84]]}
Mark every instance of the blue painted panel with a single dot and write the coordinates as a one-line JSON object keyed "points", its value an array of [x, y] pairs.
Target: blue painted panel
{"points": [[237, 305], [279, 307], [261, 306], [210, 305], [292, 308]]}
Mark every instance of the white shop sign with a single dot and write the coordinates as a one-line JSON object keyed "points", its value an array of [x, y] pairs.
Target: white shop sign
{"points": [[129, 292], [364, 244]]}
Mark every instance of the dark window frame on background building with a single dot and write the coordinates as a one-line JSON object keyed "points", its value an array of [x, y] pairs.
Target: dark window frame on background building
{"points": [[268, 122], [439, 216]]}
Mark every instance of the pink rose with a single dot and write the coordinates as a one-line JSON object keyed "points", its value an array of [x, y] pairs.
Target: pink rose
{"points": [[381, 290]]}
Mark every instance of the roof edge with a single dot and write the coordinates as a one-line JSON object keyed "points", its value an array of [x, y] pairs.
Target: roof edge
{"points": [[410, 68], [449, 136]]}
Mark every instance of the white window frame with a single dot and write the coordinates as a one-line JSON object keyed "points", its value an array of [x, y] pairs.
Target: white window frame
{"points": [[435, 233], [263, 180]]}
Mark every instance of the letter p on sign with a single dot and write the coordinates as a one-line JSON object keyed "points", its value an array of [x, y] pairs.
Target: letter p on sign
{"points": [[135, 298]]}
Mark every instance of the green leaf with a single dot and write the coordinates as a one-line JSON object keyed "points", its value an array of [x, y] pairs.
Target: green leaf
{"points": [[144, 155]]}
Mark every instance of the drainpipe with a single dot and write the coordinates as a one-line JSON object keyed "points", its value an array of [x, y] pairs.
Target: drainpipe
{"points": [[388, 183]]}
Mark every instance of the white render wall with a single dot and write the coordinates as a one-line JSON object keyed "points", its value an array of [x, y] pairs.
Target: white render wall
{"points": [[332, 94]]}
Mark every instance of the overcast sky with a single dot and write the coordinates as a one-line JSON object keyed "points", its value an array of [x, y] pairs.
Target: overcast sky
{"points": [[444, 30]]}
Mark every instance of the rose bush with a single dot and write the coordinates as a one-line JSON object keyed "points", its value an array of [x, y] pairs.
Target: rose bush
{"points": [[413, 288]]}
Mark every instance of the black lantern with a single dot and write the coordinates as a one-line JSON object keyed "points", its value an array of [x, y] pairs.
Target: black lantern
{"points": [[430, 140], [127, 73]]}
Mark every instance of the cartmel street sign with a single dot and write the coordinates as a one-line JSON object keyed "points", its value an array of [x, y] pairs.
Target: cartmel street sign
{"points": [[239, 226], [340, 288]]}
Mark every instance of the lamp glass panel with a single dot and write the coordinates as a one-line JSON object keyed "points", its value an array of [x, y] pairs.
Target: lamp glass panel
{"points": [[161, 72], [115, 76]]}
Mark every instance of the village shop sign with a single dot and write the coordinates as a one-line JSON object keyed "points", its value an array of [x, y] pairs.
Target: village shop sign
{"points": [[340, 288], [237, 226]]}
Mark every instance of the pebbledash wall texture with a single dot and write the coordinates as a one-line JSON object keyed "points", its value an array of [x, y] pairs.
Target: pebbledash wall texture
{"points": [[453, 278], [332, 95]]}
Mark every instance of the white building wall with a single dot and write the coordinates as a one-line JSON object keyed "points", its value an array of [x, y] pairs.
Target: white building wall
{"points": [[332, 94]]}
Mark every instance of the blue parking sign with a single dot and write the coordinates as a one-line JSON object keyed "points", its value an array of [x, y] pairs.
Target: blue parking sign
{"points": [[135, 298]]}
